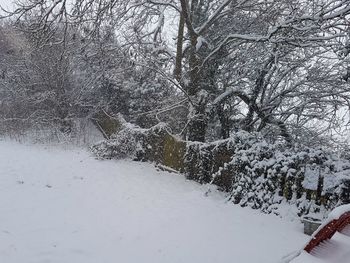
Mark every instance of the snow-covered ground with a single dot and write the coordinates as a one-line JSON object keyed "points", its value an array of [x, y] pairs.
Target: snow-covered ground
{"points": [[64, 206]]}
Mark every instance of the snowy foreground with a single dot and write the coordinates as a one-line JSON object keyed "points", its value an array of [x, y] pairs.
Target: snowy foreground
{"points": [[64, 206]]}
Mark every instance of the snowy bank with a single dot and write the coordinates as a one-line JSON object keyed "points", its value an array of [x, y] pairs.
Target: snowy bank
{"points": [[65, 206]]}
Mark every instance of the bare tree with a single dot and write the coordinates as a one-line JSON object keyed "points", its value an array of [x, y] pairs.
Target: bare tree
{"points": [[266, 61]]}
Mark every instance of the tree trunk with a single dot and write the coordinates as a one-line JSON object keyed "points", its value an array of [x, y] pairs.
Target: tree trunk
{"points": [[224, 121], [179, 49], [197, 124]]}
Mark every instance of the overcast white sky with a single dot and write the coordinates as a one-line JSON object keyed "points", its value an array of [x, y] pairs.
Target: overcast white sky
{"points": [[6, 3]]}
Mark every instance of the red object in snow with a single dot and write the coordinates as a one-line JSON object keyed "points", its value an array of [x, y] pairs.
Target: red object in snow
{"points": [[328, 231]]}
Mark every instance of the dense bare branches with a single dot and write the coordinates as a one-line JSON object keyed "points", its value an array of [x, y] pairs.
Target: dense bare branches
{"points": [[240, 64]]}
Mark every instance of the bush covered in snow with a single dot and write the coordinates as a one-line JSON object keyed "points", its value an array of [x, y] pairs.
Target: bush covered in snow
{"points": [[262, 175], [131, 141]]}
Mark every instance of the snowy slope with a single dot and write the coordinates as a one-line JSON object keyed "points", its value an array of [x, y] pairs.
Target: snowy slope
{"points": [[63, 206]]}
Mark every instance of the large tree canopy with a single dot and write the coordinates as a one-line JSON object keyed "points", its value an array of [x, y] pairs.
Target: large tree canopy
{"points": [[278, 67]]}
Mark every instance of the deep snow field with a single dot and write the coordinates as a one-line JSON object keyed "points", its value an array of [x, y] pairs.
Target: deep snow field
{"points": [[63, 206]]}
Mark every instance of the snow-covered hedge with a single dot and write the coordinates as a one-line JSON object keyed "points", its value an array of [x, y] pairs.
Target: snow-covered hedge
{"points": [[252, 171], [263, 175]]}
